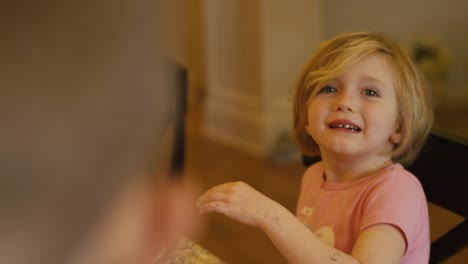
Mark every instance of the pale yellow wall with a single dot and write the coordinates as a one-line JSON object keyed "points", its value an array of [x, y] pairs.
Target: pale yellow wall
{"points": [[232, 47], [183, 41]]}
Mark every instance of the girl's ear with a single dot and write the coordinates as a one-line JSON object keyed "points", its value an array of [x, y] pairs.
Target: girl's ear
{"points": [[307, 129], [395, 138]]}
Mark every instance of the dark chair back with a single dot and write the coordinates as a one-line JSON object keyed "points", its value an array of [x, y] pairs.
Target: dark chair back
{"points": [[441, 168]]}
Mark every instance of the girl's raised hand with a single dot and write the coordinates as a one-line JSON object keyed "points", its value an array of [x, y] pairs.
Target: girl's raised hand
{"points": [[238, 201]]}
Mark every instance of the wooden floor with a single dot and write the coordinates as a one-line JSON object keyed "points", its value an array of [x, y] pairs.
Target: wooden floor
{"points": [[213, 163]]}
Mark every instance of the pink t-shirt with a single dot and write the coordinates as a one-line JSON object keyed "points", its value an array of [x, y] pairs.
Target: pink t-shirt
{"points": [[339, 212]]}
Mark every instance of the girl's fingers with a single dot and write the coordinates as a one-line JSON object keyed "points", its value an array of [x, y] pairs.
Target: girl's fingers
{"points": [[219, 207], [211, 196]]}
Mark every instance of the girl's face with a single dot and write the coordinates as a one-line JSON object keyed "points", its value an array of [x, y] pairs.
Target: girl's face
{"points": [[356, 115]]}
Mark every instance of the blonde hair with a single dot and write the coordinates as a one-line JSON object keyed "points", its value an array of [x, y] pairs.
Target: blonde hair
{"points": [[338, 54]]}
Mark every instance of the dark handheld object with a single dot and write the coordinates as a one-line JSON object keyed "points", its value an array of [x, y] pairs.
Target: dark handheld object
{"points": [[179, 75]]}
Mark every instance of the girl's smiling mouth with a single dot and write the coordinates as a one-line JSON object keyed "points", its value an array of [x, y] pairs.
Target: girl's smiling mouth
{"points": [[343, 124]]}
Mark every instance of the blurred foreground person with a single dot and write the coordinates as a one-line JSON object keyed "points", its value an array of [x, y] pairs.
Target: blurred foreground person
{"points": [[84, 108]]}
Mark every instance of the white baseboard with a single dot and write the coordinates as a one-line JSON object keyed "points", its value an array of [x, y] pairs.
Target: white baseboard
{"points": [[238, 120]]}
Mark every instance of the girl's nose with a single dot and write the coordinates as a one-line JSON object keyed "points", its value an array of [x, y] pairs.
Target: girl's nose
{"points": [[344, 103]]}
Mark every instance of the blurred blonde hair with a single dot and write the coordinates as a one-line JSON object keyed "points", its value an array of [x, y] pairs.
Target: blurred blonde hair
{"points": [[337, 55]]}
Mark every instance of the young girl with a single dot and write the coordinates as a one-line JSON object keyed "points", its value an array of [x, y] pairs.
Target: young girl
{"points": [[362, 106]]}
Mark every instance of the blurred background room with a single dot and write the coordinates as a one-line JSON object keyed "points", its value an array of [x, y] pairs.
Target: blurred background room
{"points": [[242, 59]]}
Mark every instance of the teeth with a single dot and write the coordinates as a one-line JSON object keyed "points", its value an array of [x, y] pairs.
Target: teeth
{"points": [[347, 126]]}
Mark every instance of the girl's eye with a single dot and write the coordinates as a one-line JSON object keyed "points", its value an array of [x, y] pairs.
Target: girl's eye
{"points": [[371, 92], [327, 89]]}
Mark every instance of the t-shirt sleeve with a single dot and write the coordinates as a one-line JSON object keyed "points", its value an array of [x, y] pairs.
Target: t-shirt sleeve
{"points": [[396, 199]]}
